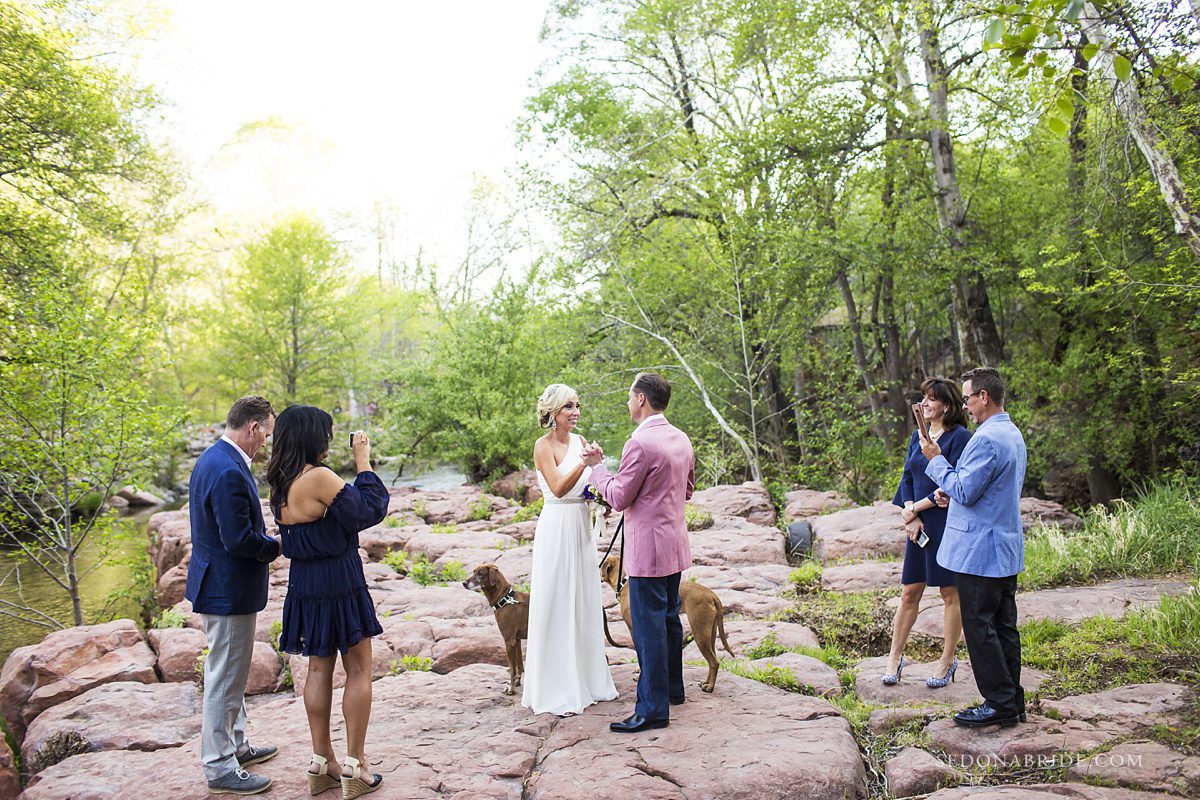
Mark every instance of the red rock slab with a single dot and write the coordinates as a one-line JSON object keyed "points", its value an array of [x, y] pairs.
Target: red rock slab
{"points": [[874, 531], [133, 663], [516, 563], [178, 650], [1035, 511], [753, 605], [766, 579], [405, 597], [744, 634], [1142, 765], [59, 654], [883, 720], [1042, 791], [172, 585], [435, 545], [746, 741], [913, 771], [751, 501], [431, 737], [734, 541], [1069, 604], [379, 540], [170, 539], [10, 779], [810, 672], [807, 503], [461, 642], [861, 576], [1134, 707], [521, 531], [122, 716], [407, 637], [1039, 738], [912, 689]]}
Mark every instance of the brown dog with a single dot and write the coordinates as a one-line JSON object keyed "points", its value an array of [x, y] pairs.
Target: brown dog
{"points": [[512, 616], [705, 613]]}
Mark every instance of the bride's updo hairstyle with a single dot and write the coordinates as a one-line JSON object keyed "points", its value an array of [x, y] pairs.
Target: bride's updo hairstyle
{"points": [[551, 402]]}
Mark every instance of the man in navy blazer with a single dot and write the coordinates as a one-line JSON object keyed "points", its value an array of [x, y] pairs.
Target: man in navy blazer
{"points": [[227, 586], [985, 543]]}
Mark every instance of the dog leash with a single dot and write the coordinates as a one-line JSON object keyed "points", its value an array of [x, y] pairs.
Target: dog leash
{"points": [[621, 579]]}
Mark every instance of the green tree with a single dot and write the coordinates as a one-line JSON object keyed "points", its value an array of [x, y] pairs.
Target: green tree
{"points": [[77, 420], [290, 323]]}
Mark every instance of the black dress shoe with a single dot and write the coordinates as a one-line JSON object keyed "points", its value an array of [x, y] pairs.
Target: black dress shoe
{"points": [[636, 723], [984, 715], [677, 701]]}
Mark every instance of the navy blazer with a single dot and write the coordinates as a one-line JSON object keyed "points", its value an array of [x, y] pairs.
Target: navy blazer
{"points": [[230, 547]]}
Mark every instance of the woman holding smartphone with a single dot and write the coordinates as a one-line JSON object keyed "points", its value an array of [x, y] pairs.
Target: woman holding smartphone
{"points": [[925, 521], [328, 610]]}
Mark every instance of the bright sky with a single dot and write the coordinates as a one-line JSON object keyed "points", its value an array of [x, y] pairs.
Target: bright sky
{"points": [[403, 102]]}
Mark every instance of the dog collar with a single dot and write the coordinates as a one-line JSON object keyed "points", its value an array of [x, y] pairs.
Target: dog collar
{"points": [[509, 599], [621, 585]]}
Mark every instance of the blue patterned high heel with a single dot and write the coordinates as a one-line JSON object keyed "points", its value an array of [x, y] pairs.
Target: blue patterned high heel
{"points": [[893, 678], [940, 683]]}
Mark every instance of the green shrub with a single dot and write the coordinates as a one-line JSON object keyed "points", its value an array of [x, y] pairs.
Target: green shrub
{"points": [[765, 649], [453, 572], [420, 508], [1153, 535], [391, 521], [481, 510], [170, 618], [806, 577], [697, 518], [446, 527], [397, 560], [531, 511], [410, 664], [859, 623]]}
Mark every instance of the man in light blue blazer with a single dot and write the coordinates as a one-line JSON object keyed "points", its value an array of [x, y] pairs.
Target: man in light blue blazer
{"points": [[984, 542], [227, 586]]}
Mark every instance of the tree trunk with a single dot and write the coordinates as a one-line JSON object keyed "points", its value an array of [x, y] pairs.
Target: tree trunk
{"points": [[1128, 102], [860, 350], [979, 339], [893, 355]]}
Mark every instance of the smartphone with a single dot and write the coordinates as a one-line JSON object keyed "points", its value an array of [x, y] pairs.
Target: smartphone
{"points": [[922, 539], [351, 440]]}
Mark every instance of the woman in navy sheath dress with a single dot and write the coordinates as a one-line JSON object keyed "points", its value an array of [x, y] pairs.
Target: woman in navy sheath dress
{"points": [[942, 405], [328, 609]]}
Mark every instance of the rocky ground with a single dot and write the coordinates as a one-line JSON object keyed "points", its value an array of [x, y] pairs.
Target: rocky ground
{"points": [[99, 711]]}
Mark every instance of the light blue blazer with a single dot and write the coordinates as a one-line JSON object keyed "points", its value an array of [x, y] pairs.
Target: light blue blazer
{"points": [[983, 534]]}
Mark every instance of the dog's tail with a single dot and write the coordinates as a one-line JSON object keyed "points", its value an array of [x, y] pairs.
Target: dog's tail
{"points": [[608, 635], [721, 627]]}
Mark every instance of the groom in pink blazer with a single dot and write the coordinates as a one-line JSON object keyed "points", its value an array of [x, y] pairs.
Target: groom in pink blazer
{"points": [[656, 478]]}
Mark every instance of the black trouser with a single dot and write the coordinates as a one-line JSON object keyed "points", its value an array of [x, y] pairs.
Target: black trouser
{"points": [[989, 618], [658, 638]]}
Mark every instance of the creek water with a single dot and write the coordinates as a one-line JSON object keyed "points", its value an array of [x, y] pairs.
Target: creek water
{"points": [[42, 593]]}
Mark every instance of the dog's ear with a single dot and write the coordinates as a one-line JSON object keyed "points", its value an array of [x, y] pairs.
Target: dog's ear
{"points": [[487, 575]]}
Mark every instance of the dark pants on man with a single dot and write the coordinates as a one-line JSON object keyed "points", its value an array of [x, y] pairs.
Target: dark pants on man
{"points": [[989, 617], [658, 639]]}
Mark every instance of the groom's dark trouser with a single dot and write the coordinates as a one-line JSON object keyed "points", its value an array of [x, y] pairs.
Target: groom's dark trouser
{"points": [[658, 639], [989, 618]]}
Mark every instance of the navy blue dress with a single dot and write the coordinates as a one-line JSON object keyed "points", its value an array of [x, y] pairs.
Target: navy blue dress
{"points": [[920, 563], [328, 608]]}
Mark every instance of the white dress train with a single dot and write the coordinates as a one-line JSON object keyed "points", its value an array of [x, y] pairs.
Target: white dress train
{"points": [[566, 668]]}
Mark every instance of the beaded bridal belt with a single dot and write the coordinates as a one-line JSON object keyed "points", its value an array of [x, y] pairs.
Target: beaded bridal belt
{"points": [[555, 501]]}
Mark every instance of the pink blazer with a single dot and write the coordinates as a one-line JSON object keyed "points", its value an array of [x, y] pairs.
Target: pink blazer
{"points": [[655, 480]]}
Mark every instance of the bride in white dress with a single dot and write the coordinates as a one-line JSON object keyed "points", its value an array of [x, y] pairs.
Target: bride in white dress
{"points": [[566, 669]]}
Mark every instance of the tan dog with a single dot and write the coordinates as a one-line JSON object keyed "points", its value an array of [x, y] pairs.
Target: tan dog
{"points": [[705, 613], [512, 616]]}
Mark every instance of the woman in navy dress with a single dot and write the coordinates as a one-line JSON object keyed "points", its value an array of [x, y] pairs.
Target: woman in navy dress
{"points": [[328, 609], [942, 405]]}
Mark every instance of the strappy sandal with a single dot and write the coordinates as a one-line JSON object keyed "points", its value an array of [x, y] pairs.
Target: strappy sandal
{"points": [[321, 780], [353, 784]]}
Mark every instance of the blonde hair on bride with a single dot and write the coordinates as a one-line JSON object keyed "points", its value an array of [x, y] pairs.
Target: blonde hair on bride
{"points": [[551, 402]]}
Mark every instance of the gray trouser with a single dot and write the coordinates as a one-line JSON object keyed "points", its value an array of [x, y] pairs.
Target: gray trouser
{"points": [[223, 735]]}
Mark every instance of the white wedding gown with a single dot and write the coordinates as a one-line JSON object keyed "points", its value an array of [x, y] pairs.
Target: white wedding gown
{"points": [[566, 669]]}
